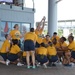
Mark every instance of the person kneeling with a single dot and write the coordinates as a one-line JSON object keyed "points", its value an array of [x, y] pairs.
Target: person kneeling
{"points": [[5, 49], [15, 54], [42, 55], [52, 54]]}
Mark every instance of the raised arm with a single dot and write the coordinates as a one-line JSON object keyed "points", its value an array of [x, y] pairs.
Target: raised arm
{"points": [[39, 24], [44, 18]]}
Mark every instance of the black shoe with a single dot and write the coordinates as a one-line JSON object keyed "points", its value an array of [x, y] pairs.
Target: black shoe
{"points": [[54, 65], [50, 64], [67, 65]]}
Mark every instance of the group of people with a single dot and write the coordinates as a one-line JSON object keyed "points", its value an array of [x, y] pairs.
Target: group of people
{"points": [[38, 50]]}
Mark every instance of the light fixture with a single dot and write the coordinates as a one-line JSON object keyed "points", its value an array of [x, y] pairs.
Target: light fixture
{"points": [[3, 3]]}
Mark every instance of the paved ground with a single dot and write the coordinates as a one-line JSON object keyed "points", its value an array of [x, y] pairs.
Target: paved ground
{"points": [[15, 70]]}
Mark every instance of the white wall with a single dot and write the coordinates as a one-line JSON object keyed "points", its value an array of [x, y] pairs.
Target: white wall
{"points": [[16, 14]]}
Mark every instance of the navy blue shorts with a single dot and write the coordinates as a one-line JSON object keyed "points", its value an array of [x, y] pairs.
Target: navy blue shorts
{"points": [[12, 57], [4, 56], [52, 58], [73, 54], [41, 58], [29, 45]]}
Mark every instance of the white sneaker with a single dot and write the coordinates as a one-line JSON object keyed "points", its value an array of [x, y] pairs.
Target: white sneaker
{"points": [[19, 64], [44, 65], [38, 64], [60, 63], [72, 64], [7, 62]]}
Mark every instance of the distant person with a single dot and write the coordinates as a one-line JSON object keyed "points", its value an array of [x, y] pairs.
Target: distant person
{"points": [[29, 46], [5, 48], [15, 34], [55, 36], [39, 30]]}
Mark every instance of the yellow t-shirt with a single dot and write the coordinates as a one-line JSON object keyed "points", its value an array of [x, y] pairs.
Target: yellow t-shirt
{"points": [[39, 35], [15, 49], [5, 45], [57, 37], [30, 36], [15, 34], [41, 51], [71, 46], [24, 54], [57, 45], [46, 41], [63, 45], [38, 32], [51, 50]]}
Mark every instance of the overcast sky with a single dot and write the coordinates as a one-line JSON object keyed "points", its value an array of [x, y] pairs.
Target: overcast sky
{"points": [[66, 9]]}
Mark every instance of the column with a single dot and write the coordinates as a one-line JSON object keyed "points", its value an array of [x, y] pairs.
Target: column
{"points": [[52, 16]]}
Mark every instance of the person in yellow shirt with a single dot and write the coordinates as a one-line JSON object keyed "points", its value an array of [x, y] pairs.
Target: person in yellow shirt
{"points": [[57, 46], [71, 47], [66, 52], [41, 55], [15, 34], [55, 36], [5, 48], [14, 54], [39, 31], [46, 40], [56, 43], [29, 46], [24, 58], [52, 54]]}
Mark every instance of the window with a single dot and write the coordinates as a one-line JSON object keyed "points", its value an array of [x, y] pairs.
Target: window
{"points": [[6, 27], [25, 27]]}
